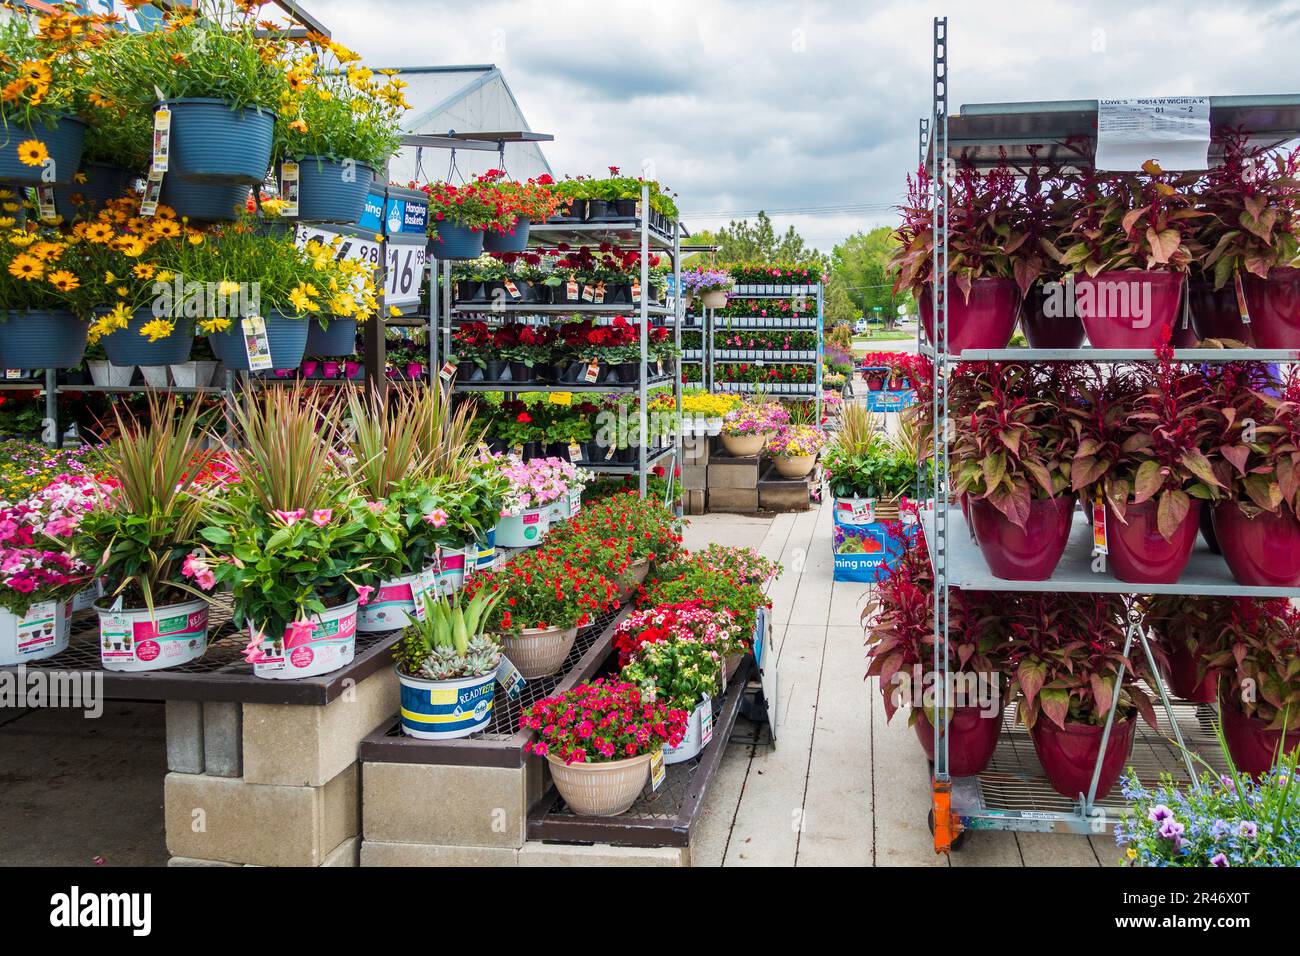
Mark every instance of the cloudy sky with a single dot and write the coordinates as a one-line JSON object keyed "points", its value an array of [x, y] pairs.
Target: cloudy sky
{"points": [[808, 110]]}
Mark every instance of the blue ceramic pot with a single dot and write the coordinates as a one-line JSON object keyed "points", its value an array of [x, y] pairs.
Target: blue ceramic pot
{"points": [[339, 338], [63, 141], [287, 338], [456, 242], [104, 181], [41, 339], [127, 347], [330, 192], [212, 143], [206, 201], [516, 241]]}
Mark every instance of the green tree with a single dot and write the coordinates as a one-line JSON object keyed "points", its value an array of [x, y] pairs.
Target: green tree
{"points": [[860, 276], [757, 241]]}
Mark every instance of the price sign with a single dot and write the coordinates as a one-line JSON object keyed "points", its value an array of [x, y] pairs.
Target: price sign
{"points": [[405, 262]]}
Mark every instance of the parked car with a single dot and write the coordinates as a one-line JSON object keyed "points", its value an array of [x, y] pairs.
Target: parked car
{"points": [[860, 327]]}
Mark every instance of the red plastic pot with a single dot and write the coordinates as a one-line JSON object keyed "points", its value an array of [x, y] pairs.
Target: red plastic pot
{"points": [[1184, 666], [1126, 309], [1274, 307], [1250, 743], [1023, 554], [1048, 331], [1183, 336], [875, 383], [972, 738], [1215, 314], [1068, 755], [1138, 553], [1263, 551], [985, 321]]}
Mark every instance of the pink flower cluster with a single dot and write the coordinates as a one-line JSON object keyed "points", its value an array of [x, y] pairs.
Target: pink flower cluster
{"points": [[755, 418], [197, 569], [541, 481], [54, 511], [34, 571]]}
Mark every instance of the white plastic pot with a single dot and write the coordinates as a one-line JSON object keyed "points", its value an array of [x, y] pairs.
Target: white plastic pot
{"points": [[132, 639], [392, 606], [104, 372], [330, 646], [713, 426], [566, 507], [445, 709], [855, 512], [694, 741], [524, 530], [40, 633]]}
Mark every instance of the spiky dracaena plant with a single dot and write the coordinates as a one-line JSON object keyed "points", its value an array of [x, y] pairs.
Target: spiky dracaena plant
{"points": [[447, 436], [385, 442], [143, 529]]}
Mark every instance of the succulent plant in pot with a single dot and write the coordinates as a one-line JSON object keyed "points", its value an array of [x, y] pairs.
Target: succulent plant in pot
{"points": [[1012, 461], [1140, 437], [1066, 653], [447, 667]]}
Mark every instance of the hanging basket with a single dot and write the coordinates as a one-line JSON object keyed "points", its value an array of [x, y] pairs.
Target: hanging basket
{"points": [[287, 338], [512, 240], [103, 181], [456, 242], [63, 142], [331, 191], [41, 339], [128, 347], [211, 142], [210, 202], [338, 338]]}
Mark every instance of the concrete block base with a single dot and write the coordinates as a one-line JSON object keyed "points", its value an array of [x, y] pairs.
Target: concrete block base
{"points": [[734, 500], [409, 803], [694, 502], [784, 494], [532, 853], [728, 472]]}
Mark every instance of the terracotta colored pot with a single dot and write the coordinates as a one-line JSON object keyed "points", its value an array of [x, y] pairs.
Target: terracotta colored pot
{"points": [[1069, 755], [600, 789], [794, 466], [538, 652], [1263, 551], [1048, 331], [1023, 554], [1274, 307], [1182, 674], [986, 321], [1215, 314], [1138, 553], [743, 446], [972, 738], [1250, 743], [1126, 309]]}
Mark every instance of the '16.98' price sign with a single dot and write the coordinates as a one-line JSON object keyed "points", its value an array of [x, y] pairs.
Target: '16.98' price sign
{"points": [[405, 262]]}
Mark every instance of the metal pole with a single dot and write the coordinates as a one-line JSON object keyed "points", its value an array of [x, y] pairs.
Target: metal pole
{"points": [[55, 439], [821, 351], [678, 310], [642, 412]]}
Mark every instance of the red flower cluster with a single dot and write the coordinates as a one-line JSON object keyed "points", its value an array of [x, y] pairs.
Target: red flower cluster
{"points": [[600, 722]]}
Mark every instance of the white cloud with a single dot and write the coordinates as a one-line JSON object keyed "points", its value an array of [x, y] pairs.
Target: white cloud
{"points": [[749, 104]]}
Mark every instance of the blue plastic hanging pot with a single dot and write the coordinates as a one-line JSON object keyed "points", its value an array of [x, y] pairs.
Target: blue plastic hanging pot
{"points": [[456, 242], [287, 338], [515, 240], [127, 347], [63, 142], [41, 339], [213, 143], [330, 191], [206, 201], [103, 181], [339, 338]]}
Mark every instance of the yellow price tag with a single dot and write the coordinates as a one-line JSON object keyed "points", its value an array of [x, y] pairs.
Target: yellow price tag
{"points": [[561, 398]]}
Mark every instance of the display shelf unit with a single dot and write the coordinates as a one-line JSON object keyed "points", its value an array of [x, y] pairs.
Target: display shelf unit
{"points": [[634, 232], [1013, 793]]}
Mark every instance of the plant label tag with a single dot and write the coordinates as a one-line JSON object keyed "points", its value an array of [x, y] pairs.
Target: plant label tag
{"points": [[638, 209], [636, 290], [1099, 527], [864, 508], [257, 346], [571, 290], [599, 295], [593, 371], [152, 193], [1172, 131], [423, 586], [657, 771], [448, 371], [162, 139], [508, 676], [706, 720], [289, 186], [1241, 300], [45, 201], [589, 293], [512, 288], [575, 502], [36, 628], [13, 373]]}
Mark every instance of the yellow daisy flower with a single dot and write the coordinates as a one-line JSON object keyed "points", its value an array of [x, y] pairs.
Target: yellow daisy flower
{"points": [[32, 152], [26, 267], [64, 281]]}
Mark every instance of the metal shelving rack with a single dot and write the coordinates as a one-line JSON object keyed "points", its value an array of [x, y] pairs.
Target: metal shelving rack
{"points": [[789, 391], [444, 313], [1012, 793]]}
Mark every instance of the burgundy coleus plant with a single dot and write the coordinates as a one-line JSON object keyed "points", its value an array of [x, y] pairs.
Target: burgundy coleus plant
{"points": [[1065, 652], [1142, 434], [1258, 459], [1257, 650], [1013, 445], [899, 624]]}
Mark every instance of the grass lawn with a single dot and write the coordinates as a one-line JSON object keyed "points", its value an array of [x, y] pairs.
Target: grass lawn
{"points": [[882, 336]]}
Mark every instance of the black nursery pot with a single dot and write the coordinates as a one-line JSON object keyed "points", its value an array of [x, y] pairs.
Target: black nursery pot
{"points": [[594, 452], [496, 371], [558, 450], [521, 372], [475, 373], [498, 447], [576, 212], [626, 456], [598, 209], [627, 372], [469, 291], [625, 208], [531, 450], [619, 293]]}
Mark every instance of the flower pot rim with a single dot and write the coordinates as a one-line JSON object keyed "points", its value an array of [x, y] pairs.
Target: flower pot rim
{"points": [[596, 766], [447, 682], [216, 99], [107, 609], [320, 158], [537, 632], [58, 118]]}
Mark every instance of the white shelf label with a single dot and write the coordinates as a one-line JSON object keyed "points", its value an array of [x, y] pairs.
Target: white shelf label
{"points": [[1174, 131]]}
